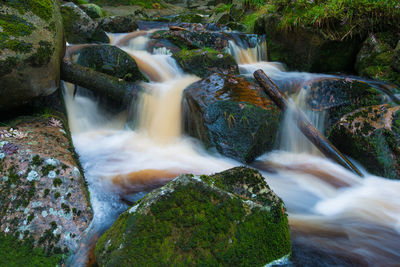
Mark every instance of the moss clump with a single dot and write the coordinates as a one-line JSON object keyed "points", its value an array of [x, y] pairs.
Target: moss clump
{"points": [[203, 62], [57, 182], [43, 54], [16, 253], [41, 8], [37, 160], [142, 3], [189, 223]]}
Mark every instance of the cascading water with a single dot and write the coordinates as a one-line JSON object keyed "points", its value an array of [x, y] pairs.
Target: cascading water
{"points": [[336, 218]]}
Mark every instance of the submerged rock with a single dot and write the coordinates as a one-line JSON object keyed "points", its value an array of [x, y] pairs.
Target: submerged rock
{"points": [[110, 60], [371, 135], [229, 113], [231, 218], [377, 60], [44, 204], [31, 47], [203, 62], [79, 27]]}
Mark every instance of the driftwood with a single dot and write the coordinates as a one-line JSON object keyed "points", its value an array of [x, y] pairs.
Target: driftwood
{"points": [[312, 134], [105, 85]]}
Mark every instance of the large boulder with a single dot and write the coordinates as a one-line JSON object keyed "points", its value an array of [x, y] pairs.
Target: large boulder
{"points": [[377, 60], [118, 24], [31, 47], [92, 10], [79, 27], [110, 60], [229, 113], [204, 62], [228, 219], [307, 49], [371, 135], [44, 204]]}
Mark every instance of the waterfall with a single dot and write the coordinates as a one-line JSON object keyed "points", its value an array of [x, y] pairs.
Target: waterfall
{"points": [[336, 217]]}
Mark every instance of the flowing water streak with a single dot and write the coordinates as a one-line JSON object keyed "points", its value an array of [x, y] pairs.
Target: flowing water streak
{"points": [[336, 217]]}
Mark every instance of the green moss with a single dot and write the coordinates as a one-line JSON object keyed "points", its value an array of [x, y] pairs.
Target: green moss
{"points": [[46, 192], [57, 182], [46, 169], [43, 54], [41, 8], [142, 3], [196, 226], [16, 253], [37, 160], [65, 207], [15, 26], [203, 62]]}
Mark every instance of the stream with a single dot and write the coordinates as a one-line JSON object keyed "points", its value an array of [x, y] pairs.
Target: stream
{"points": [[336, 217]]}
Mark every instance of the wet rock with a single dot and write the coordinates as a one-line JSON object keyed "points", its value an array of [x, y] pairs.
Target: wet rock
{"points": [[371, 135], [229, 113], [79, 27], [237, 10], [92, 10], [220, 18], [375, 60], [110, 60], [117, 24], [44, 204], [204, 62], [31, 47], [194, 39], [231, 218], [306, 49], [190, 18], [339, 96]]}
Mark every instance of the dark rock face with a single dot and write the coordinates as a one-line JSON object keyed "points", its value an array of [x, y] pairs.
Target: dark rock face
{"points": [[118, 24], [110, 60], [339, 96], [44, 205], [305, 49], [194, 39], [31, 47], [229, 113], [227, 219], [377, 59], [371, 135], [204, 62], [79, 27]]}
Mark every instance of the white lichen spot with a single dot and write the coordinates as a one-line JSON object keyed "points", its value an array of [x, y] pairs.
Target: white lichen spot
{"points": [[7, 230], [5, 178], [52, 162], [197, 178], [21, 172], [13, 186], [32, 175], [64, 132], [44, 214], [134, 208], [2, 143], [52, 174], [253, 195], [26, 210], [2, 155], [121, 246], [76, 173], [36, 204]]}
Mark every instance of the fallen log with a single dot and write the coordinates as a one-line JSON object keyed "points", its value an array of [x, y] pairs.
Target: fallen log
{"points": [[305, 126], [105, 85]]}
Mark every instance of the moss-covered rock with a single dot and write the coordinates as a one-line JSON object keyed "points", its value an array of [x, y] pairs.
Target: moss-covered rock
{"points": [[228, 219], [31, 47], [79, 27], [377, 60], [228, 112], [117, 24], [44, 206], [306, 49], [340, 96], [204, 62], [92, 10], [110, 60], [194, 39], [189, 18], [371, 135]]}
